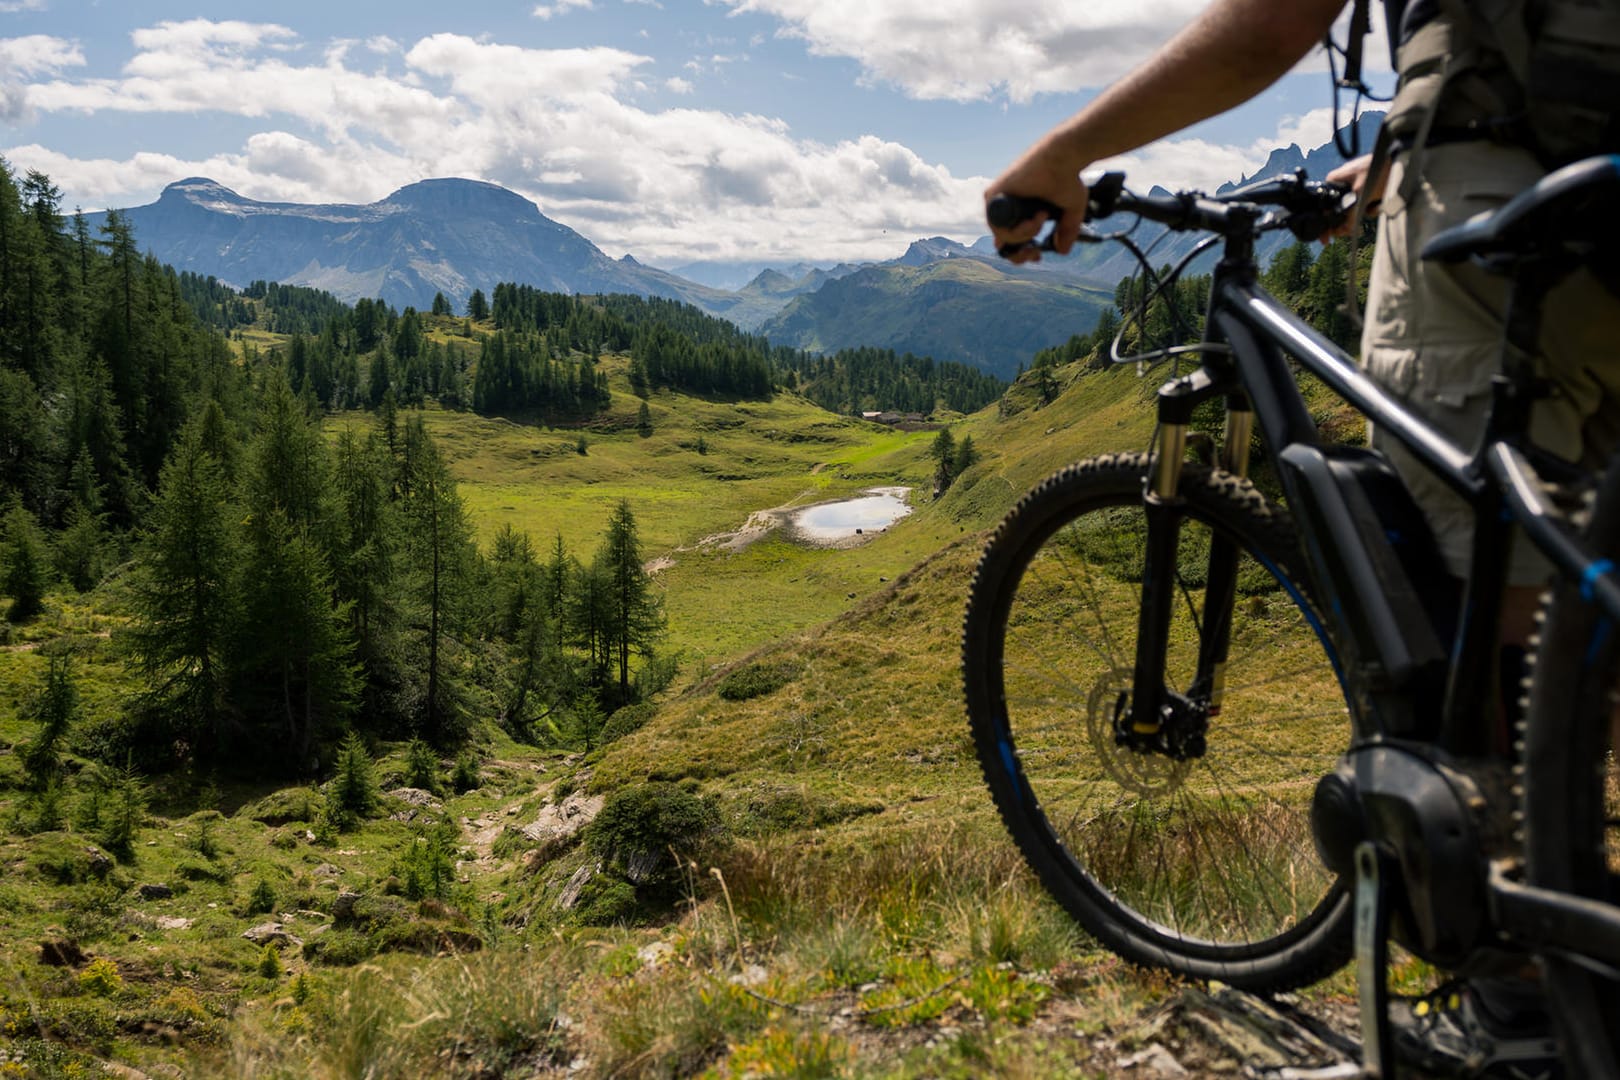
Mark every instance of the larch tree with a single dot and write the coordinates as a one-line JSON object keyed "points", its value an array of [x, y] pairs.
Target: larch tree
{"points": [[441, 553], [184, 591], [634, 611]]}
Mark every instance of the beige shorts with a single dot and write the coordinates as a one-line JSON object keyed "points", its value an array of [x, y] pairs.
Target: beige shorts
{"points": [[1433, 337]]}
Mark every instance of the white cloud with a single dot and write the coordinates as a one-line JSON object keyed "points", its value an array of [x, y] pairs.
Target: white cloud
{"points": [[558, 126], [965, 50], [11, 7], [1309, 131], [20, 57], [204, 38], [561, 7], [1199, 164], [509, 74], [37, 54]]}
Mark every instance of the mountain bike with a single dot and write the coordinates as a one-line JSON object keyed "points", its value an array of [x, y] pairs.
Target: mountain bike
{"points": [[1240, 737]]}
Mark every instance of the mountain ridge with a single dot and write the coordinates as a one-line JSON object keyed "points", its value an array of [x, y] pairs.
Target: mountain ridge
{"points": [[444, 235], [453, 235]]}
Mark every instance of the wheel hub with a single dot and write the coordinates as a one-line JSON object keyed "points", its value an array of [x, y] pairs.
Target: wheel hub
{"points": [[1150, 769]]}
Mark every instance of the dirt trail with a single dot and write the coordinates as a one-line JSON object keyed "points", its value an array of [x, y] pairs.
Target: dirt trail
{"points": [[482, 832]]}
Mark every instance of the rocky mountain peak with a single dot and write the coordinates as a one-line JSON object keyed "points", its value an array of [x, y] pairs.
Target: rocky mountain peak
{"points": [[457, 196]]}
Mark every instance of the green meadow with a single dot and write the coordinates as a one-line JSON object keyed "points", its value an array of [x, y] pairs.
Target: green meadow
{"points": [[794, 870]]}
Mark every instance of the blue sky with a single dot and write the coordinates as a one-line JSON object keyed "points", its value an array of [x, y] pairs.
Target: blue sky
{"points": [[676, 130]]}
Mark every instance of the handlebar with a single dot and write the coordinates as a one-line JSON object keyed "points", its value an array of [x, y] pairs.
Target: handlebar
{"points": [[1310, 208]]}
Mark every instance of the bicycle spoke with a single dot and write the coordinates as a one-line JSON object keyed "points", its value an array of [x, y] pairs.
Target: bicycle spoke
{"points": [[1091, 594]]}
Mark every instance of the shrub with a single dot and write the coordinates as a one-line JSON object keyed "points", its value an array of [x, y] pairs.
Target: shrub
{"points": [[270, 963], [756, 680], [629, 719], [39, 811], [204, 843], [466, 775], [262, 900], [427, 866], [353, 792], [101, 978], [421, 767], [638, 825], [113, 808], [605, 901], [340, 947]]}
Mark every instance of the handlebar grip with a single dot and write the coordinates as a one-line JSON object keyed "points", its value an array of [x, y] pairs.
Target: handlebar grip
{"points": [[1008, 211]]}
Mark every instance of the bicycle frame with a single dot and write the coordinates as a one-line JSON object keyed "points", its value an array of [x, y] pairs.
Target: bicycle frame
{"points": [[1398, 662]]}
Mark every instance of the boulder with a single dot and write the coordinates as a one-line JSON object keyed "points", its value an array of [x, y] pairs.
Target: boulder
{"points": [[557, 825], [576, 885], [343, 906], [417, 797], [271, 933], [154, 891]]}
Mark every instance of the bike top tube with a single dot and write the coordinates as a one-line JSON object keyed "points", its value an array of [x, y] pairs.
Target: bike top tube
{"points": [[1308, 209]]}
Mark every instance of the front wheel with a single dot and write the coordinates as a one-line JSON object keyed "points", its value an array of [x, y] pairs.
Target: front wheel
{"points": [[1200, 862]]}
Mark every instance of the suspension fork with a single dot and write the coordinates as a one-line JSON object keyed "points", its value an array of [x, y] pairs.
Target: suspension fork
{"points": [[1151, 699], [1220, 590]]}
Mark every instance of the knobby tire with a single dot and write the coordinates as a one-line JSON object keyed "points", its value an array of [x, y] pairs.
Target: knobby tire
{"points": [[1203, 867], [1571, 789]]}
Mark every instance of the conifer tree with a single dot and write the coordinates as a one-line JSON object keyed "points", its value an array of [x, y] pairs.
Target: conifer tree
{"points": [[79, 548], [25, 440], [379, 379], [366, 568], [634, 613], [439, 544], [288, 464], [184, 590], [25, 561], [53, 708], [353, 791], [295, 660], [965, 456]]}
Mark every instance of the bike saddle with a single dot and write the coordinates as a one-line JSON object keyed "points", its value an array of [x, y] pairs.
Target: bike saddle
{"points": [[1568, 213]]}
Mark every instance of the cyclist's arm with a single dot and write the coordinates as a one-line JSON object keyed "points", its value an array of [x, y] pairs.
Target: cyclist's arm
{"points": [[1231, 52]]}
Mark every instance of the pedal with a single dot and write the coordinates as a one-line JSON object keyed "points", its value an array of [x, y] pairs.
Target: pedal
{"points": [[1372, 962]]}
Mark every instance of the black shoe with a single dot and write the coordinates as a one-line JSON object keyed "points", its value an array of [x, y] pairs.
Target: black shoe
{"points": [[1448, 1033]]}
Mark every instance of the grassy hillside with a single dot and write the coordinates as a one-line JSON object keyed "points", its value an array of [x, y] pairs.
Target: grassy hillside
{"points": [[844, 902]]}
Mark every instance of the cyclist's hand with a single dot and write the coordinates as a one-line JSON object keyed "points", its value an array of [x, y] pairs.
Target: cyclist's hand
{"points": [[1040, 175], [1369, 190]]}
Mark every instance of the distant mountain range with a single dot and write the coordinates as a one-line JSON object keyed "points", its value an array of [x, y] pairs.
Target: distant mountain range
{"points": [[452, 236]]}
